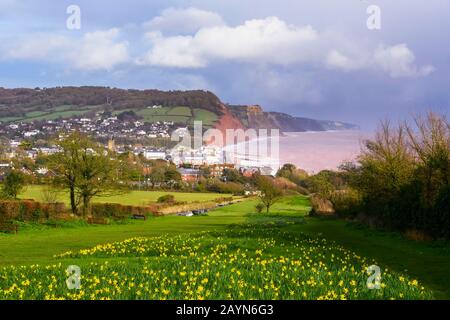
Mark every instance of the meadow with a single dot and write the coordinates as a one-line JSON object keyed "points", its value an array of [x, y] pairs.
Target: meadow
{"points": [[64, 112], [232, 253], [180, 115], [134, 198], [244, 262]]}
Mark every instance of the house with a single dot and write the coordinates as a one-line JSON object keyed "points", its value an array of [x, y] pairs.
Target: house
{"points": [[42, 171], [189, 175], [4, 166], [217, 169], [31, 133], [32, 154], [154, 155], [249, 172]]}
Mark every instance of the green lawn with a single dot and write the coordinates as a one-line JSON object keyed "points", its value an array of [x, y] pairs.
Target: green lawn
{"points": [[180, 111], [134, 198], [207, 117], [177, 114], [180, 114], [64, 111], [427, 262]]}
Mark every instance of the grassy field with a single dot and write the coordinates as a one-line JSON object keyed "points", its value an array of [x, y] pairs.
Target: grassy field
{"points": [[179, 114], [287, 233], [182, 115], [207, 117], [133, 198], [175, 114], [65, 111]]}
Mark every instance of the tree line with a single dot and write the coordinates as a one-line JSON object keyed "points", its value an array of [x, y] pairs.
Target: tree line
{"points": [[399, 181]]}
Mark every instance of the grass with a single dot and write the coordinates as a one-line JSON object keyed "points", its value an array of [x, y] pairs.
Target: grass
{"points": [[244, 262], [55, 115], [207, 117], [65, 111], [427, 262], [134, 198], [177, 114], [180, 111], [183, 115]]}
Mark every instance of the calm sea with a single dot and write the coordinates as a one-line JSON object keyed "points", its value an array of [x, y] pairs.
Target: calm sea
{"points": [[316, 151]]}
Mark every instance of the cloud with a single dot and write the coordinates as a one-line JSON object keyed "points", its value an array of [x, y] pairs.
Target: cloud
{"points": [[337, 60], [398, 62], [193, 39], [184, 21], [271, 41], [268, 40], [98, 50], [39, 46]]}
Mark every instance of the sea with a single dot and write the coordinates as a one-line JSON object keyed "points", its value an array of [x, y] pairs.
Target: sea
{"points": [[310, 151], [326, 150]]}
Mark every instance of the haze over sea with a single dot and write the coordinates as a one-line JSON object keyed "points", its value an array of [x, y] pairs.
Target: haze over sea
{"points": [[316, 151]]}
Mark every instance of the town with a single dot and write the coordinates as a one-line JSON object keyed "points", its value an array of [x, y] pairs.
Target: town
{"points": [[121, 134]]}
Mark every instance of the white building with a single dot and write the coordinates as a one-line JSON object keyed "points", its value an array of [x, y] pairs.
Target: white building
{"points": [[31, 133], [154, 155]]}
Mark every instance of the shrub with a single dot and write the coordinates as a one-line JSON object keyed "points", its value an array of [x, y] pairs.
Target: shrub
{"points": [[403, 176], [321, 206], [118, 211], [26, 210], [346, 203], [168, 198], [259, 207], [13, 184], [226, 187], [223, 199]]}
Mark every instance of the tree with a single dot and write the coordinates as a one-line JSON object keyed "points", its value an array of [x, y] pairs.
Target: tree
{"points": [[286, 171], [87, 171], [431, 144], [206, 172], [172, 175], [49, 195], [98, 175], [26, 145], [231, 175], [386, 165], [270, 194], [64, 165], [324, 183], [294, 174], [157, 175], [14, 183]]}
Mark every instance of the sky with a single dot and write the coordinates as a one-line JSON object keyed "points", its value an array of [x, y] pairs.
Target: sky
{"points": [[315, 59]]}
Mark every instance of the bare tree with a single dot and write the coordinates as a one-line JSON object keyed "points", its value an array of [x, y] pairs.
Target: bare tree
{"points": [[431, 144]]}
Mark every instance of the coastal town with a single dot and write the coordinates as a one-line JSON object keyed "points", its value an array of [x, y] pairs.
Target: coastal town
{"points": [[121, 135]]}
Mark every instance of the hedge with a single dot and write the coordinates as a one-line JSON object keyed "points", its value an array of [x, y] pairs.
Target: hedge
{"points": [[118, 211], [28, 210]]}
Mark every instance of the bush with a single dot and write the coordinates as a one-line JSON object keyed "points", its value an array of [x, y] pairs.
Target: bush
{"points": [[14, 182], [223, 199], [25, 210], [403, 176], [346, 203], [259, 207], [118, 211], [321, 206], [441, 213], [166, 199], [226, 187]]}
